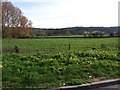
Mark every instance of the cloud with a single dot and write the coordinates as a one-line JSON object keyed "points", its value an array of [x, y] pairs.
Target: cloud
{"points": [[67, 13]]}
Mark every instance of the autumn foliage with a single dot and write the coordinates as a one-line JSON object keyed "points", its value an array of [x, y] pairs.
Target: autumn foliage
{"points": [[14, 23]]}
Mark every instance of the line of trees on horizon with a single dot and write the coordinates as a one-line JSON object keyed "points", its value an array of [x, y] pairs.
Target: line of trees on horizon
{"points": [[14, 23], [81, 31]]}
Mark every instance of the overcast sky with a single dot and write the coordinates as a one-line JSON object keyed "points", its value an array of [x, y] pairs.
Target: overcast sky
{"points": [[69, 13]]}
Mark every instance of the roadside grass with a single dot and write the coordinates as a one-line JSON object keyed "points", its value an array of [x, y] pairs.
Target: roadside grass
{"points": [[49, 63]]}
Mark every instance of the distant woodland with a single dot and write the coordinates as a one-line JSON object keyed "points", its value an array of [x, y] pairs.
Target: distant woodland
{"points": [[86, 31]]}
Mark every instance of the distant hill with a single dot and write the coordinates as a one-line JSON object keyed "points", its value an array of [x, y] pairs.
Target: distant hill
{"points": [[72, 30]]}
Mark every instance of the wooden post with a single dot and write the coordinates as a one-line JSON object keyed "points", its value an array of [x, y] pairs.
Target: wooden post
{"points": [[16, 49]]}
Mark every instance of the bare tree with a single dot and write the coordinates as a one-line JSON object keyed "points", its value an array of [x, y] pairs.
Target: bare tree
{"points": [[13, 20], [25, 26]]}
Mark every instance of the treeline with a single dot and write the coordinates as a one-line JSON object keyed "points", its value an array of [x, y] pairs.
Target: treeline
{"points": [[14, 23], [85, 31]]}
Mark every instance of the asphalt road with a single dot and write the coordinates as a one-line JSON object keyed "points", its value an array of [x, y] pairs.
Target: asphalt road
{"points": [[113, 87]]}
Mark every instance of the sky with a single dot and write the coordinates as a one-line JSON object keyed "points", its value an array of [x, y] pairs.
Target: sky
{"points": [[69, 13]]}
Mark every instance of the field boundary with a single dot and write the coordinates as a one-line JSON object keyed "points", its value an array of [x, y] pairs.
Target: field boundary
{"points": [[65, 37]]}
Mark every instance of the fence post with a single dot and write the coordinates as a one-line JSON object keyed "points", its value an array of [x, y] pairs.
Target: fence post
{"points": [[16, 49]]}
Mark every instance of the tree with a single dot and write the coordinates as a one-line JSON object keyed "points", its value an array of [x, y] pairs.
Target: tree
{"points": [[66, 31], [13, 22], [25, 25], [102, 34], [85, 34]]}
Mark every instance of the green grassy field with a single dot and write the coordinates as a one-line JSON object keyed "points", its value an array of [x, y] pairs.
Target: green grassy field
{"points": [[50, 62], [31, 46]]}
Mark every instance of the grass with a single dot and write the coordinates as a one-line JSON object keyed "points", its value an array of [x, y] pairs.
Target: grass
{"points": [[57, 45], [48, 63]]}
